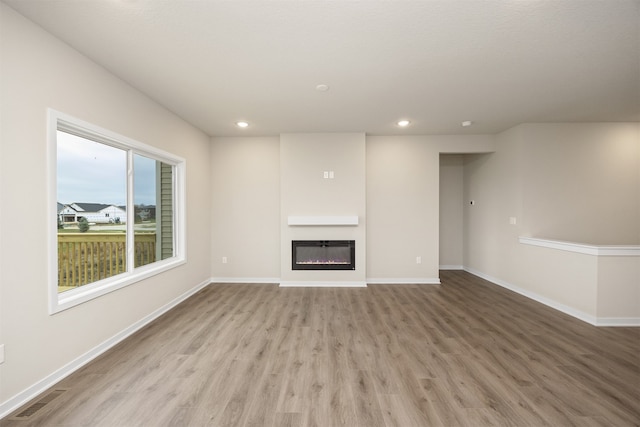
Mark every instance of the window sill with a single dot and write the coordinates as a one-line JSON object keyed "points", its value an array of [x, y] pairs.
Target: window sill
{"points": [[65, 300]]}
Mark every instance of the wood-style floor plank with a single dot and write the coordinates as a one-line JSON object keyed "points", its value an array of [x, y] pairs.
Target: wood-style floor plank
{"points": [[464, 353]]}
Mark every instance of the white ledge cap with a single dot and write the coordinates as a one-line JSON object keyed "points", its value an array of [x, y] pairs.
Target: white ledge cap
{"points": [[581, 248]]}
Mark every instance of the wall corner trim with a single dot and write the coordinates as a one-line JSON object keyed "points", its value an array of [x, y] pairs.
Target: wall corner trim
{"points": [[33, 391]]}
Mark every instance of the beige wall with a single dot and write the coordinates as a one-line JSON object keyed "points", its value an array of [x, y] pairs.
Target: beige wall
{"points": [[245, 210], [576, 182], [402, 208], [581, 182], [39, 72], [572, 181], [305, 192], [451, 211], [566, 280], [403, 174], [493, 183], [256, 180], [618, 287]]}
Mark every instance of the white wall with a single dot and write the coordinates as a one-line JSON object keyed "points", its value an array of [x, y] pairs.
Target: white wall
{"points": [[451, 211], [39, 72], [245, 210]]}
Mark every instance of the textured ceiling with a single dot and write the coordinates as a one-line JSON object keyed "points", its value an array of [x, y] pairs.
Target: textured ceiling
{"points": [[436, 63]]}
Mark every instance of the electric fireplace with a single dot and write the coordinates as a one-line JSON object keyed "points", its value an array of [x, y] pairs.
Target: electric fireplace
{"points": [[323, 255]]}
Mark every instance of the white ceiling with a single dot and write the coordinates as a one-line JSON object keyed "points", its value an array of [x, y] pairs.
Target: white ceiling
{"points": [[436, 63]]}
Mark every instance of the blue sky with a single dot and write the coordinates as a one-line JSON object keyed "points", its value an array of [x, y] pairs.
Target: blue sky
{"points": [[90, 172]]}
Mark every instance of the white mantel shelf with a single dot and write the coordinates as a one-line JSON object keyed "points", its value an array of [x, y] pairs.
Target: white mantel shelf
{"points": [[322, 220]]}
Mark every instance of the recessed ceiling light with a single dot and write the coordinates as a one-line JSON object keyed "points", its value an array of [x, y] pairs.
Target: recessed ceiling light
{"points": [[242, 124], [403, 123], [467, 123], [322, 88]]}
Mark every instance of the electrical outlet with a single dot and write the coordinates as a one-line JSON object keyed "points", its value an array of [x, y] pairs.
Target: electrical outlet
{"points": [[224, 260], [1, 353], [418, 260], [325, 174]]}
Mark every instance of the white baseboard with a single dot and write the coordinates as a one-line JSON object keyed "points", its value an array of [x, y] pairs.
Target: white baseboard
{"points": [[332, 284], [404, 281], [265, 280], [50, 380], [320, 284], [451, 267], [618, 321], [593, 320]]}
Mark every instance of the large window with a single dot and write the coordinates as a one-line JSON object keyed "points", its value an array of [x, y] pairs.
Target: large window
{"points": [[119, 211]]}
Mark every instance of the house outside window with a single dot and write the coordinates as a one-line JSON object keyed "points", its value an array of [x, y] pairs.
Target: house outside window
{"points": [[131, 196]]}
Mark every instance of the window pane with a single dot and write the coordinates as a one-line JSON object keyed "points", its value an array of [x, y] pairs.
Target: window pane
{"points": [[153, 200], [91, 194]]}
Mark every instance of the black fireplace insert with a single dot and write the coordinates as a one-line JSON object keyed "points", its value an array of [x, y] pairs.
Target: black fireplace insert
{"points": [[323, 255]]}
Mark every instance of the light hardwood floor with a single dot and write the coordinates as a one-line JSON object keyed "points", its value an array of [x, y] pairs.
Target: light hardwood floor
{"points": [[464, 353]]}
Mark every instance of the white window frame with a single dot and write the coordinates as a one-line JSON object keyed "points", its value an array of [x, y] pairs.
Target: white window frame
{"points": [[65, 300]]}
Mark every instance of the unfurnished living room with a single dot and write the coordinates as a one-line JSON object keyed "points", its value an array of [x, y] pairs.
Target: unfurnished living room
{"points": [[319, 213]]}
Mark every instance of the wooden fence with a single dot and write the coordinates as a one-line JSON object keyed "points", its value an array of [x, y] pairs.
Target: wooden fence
{"points": [[88, 257]]}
